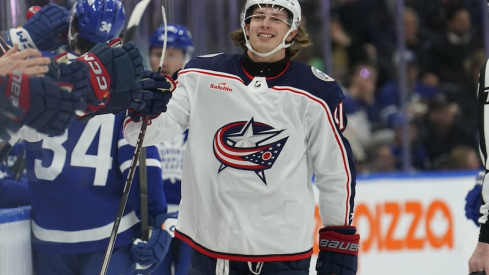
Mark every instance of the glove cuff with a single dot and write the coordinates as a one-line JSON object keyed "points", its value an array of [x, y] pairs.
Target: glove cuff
{"points": [[340, 239], [22, 38]]}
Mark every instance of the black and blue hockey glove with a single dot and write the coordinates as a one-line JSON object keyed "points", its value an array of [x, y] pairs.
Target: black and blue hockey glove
{"points": [[44, 31], [473, 200], [113, 68], [48, 107], [161, 92], [149, 254], [338, 251]]}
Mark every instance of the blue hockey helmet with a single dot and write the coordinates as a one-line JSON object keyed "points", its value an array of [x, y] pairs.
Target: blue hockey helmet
{"points": [[99, 20], [178, 37]]}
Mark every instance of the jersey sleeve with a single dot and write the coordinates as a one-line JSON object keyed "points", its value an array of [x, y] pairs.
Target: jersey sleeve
{"points": [[332, 158], [483, 124]]}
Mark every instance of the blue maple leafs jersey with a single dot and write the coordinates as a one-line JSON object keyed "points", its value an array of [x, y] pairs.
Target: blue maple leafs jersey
{"points": [[253, 146], [172, 154], [76, 182]]}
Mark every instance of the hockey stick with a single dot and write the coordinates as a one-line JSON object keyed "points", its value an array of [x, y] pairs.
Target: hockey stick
{"points": [[143, 193], [134, 20], [132, 169], [143, 176], [19, 166]]}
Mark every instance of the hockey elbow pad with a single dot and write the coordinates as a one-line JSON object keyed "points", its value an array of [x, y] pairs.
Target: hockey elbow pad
{"points": [[338, 251]]}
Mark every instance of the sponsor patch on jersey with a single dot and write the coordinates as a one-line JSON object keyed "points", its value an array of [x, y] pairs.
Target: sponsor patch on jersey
{"points": [[210, 55], [321, 75]]}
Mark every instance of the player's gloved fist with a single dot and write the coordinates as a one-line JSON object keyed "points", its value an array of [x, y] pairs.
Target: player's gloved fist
{"points": [[149, 254], [473, 200], [338, 252], [162, 92], [77, 74], [43, 30], [120, 101], [113, 68], [49, 107]]}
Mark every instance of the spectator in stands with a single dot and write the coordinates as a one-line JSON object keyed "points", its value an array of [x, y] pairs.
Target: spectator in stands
{"points": [[360, 109], [442, 131], [381, 159], [418, 155], [464, 158], [419, 46], [450, 51], [388, 100]]}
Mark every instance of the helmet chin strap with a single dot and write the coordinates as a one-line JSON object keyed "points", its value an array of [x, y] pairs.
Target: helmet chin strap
{"points": [[282, 45]]}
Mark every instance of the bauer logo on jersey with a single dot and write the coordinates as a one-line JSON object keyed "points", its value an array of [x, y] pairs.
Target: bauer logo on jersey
{"points": [[246, 145], [321, 75]]}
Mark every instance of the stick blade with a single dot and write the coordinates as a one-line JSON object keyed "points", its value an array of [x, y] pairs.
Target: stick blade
{"points": [[134, 20]]}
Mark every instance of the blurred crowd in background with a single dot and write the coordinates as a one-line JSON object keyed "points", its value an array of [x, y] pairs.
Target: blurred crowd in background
{"points": [[444, 53]]}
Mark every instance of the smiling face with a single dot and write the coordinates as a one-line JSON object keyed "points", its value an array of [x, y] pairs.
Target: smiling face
{"points": [[266, 29]]}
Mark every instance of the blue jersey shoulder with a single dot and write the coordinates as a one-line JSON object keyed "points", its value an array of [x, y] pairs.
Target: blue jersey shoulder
{"points": [[219, 62], [315, 82]]}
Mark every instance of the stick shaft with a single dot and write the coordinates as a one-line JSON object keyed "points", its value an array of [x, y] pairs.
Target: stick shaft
{"points": [[125, 196]]}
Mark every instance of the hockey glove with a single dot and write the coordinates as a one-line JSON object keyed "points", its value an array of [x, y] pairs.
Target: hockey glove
{"points": [[162, 92], [112, 69], [48, 107], [135, 98], [44, 30], [473, 200], [338, 251], [149, 254]]}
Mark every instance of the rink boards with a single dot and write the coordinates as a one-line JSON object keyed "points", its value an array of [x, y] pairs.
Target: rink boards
{"points": [[409, 224]]}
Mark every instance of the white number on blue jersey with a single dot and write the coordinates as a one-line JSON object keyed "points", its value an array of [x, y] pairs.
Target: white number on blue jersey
{"points": [[105, 27], [101, 162], [59, 155]]}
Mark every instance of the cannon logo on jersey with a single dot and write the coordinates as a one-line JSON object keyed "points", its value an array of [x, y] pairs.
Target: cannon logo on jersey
{"points": [[246, 145], [321, 75]]}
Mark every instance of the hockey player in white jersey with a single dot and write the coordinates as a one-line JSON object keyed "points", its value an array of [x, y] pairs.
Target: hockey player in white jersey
{"points": [[76, 179], [260, 126]]}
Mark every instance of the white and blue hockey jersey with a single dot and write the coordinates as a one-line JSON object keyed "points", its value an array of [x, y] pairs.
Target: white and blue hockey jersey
{"points": [[76, 182], [253, 146], [172, 154]]}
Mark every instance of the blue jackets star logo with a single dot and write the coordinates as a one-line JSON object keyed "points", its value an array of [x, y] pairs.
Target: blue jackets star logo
{"points": [[246, 145]]}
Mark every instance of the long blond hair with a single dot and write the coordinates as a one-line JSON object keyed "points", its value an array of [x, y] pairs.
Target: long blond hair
{"points": [[300, 40]]}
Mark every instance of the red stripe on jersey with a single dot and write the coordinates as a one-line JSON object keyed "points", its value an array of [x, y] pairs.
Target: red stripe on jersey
{"points": [[340, 144], [242, 258], [210, 73]]}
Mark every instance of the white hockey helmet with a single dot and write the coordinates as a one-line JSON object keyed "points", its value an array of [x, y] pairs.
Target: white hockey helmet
{"points": [[293, 8]]}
